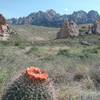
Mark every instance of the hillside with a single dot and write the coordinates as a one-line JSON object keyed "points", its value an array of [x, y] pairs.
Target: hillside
{"points": [[73, 65], [34, 33], [51, 18]]}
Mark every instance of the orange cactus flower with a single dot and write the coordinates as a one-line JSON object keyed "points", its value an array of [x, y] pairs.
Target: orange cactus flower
{"points": [[36, 74]]}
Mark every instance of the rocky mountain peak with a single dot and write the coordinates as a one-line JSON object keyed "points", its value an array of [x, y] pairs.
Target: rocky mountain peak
{"points": [[51, 12], [93, 16], [93, 13], [79, 14], [53, 19]]}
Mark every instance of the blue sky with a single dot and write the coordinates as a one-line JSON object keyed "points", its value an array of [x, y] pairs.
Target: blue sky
{"points": [[16, 8]]}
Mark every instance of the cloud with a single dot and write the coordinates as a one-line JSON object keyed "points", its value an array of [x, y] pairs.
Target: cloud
{"points": [[66, 9]]}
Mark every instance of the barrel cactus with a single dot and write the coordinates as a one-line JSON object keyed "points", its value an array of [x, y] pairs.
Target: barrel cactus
{"points": [[33, 84]]}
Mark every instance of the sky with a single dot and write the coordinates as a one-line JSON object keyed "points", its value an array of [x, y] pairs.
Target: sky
{"points": [[20, 8]]}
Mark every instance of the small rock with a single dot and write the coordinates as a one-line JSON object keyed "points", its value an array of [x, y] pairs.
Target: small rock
{"points": [[85, 43]]}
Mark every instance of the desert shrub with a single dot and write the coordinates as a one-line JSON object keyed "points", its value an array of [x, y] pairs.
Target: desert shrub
{"points": [[83, 27], [4, 43], [98, 47], [78, 76], [83, 56], [17, 44], [88, 84], [2, 56], [81, 30], [48, 58], [32, 50], [64, 52], [87, 53], [95, 76], [16, 40], [92, 51]]}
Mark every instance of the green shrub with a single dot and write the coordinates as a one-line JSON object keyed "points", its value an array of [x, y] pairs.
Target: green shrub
{"points": [[4, 43], [92, 51], [48, 58], [81, 30], [64, 52], [98, 47], [84, 55], [32, 50], [95, 76], [17, 44]]}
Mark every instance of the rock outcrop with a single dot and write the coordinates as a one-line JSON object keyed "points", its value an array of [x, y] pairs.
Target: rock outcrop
{"points": [[89, 31], [70, 29], [96, 27], [4, 29]]}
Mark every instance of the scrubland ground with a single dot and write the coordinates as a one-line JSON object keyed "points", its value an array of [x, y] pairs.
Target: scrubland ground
{"points": [[72, 63]]}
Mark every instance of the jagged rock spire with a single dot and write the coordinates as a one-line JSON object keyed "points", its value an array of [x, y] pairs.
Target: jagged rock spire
{"points": [[69, 29]]}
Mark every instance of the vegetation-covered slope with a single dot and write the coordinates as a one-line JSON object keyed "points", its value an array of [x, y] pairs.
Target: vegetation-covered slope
{"points": [[73, 65]]}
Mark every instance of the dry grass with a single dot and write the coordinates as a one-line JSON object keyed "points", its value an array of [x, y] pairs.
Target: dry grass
{"points": [[70, 64]]}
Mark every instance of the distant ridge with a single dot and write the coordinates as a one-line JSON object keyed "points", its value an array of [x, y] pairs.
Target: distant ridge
{"points": [[52, 19]]}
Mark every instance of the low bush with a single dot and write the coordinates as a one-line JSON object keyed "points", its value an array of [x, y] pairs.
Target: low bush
{"points": [[95, 76], [64, 52]]}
